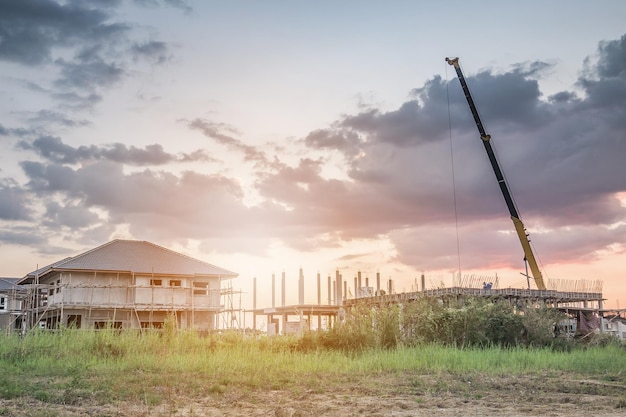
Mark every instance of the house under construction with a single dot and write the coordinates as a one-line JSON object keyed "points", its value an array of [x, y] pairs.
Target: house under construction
{"points": [[125, 284]]}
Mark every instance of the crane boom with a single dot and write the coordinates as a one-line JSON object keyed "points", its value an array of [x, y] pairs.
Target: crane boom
{"points": [[486, 139]]}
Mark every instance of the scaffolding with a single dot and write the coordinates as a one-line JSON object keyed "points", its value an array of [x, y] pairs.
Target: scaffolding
{"points": [[231, 311]]}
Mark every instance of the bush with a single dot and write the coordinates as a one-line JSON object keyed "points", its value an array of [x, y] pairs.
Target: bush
{"points": [[459, 323], [503, 327], [540, 326]]}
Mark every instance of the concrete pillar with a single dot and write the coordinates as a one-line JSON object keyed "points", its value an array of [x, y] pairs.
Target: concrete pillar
{"points": [[329, 291], [319, 289], [253, 305], [378, 283], [273, 290], [254, 293], [338, 279], [283, 290], [301, 288]]}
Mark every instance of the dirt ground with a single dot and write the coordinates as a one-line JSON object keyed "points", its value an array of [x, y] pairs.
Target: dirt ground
{"points": [[395, 395]]}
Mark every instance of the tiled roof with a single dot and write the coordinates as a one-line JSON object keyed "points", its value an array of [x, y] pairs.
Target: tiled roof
{"points": [[139, 257]]}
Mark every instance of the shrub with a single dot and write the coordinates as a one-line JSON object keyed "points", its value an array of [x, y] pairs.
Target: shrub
{"points": [[540, 326]]}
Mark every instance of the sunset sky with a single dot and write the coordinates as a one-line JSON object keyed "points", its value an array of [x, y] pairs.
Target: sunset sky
{"points": [[268, 136]]}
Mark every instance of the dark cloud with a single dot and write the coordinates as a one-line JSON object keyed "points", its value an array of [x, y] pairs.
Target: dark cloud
{"points": [[23, 236], [344, 141], [82, 45], [30, 29], [53, 149], [20, 132], [604, 81], [48, 179], [77, 101], [89, 74], [69, 215], [150, 155], [49, 117], [612, 62], [15, 202], [153, 51]]}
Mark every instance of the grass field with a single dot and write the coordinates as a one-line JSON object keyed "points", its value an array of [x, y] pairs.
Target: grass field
{"points": [[154, 371]]}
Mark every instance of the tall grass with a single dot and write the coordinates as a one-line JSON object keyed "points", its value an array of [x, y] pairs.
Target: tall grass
{"points": [[75, 366]]}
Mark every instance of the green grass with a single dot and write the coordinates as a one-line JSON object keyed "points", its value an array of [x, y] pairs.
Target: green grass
{"points": [[105, 366]]}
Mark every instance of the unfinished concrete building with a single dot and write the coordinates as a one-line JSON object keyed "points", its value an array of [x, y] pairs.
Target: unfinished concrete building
{"points": [[125, 284]]}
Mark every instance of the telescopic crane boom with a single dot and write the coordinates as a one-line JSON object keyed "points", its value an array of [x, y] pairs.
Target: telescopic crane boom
{"points": [[486, 139]]}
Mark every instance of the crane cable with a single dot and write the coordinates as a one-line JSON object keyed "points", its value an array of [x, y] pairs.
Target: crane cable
{"points": [[456, 213]]}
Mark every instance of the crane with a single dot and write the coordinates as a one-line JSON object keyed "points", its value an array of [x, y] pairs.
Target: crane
{"points": [[529, 256]]}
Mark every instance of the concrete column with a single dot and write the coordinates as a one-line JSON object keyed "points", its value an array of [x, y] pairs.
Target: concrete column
{"points": [[301, 288], [273, 290], [319, 289], [254, 293], [283, 290], [338, 279], [329, 291]]}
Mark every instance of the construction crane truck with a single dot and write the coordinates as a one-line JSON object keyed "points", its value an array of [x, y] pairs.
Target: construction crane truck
{"points": [[529, 256]]}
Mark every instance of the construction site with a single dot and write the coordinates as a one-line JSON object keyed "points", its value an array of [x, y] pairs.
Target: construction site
{"points": [[130, 284], [580, 299]]}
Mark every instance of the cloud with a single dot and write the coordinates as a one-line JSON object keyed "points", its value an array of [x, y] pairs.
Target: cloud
{"points": [[49, 117], [81, 44], [344, 141], [69, 215], [223, 134], [153, 203], [23, 236], [89, 74], [48, 179], [53, 149], [153, 51], [562, 155], [20, 132], [30, 29], [408, 175], [15, 202]]}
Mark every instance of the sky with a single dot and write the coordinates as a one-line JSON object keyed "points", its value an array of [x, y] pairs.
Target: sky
{"points": [[265, 137]]}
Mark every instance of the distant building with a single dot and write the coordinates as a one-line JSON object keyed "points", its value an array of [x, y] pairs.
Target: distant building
{"points": [[9, 307], [124, 284], [615, 325]]}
